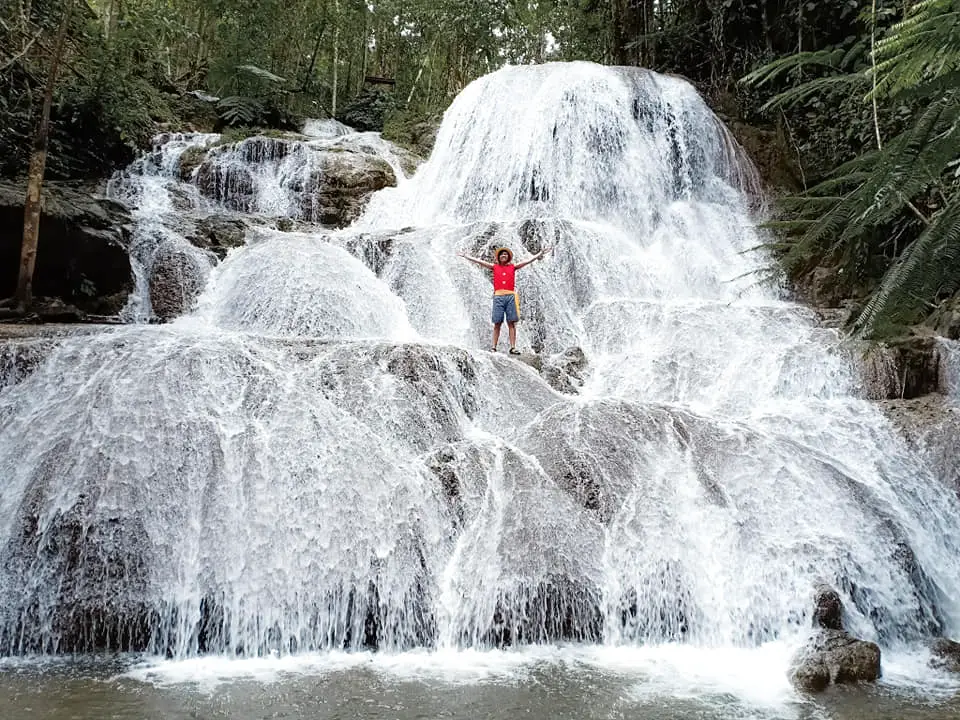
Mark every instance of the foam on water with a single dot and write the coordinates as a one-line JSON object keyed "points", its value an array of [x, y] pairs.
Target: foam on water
{"points": [[323, 455]]}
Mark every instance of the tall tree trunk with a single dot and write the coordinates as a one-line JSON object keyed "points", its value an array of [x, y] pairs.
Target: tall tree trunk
{"points": [[336, 57], [38, 163]]}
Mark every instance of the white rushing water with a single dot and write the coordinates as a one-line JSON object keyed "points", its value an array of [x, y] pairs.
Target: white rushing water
{"points": [[325, 456]]}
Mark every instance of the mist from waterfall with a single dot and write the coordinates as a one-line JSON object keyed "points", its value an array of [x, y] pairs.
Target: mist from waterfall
{"points": [[325, 455]]}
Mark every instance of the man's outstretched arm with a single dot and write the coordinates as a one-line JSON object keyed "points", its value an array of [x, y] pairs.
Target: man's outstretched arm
{"points": [[536, 257], [478, 261]]}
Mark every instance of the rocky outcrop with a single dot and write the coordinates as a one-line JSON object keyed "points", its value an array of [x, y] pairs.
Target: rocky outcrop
{"points": [[945, 655], [564, 371], [832, 655], [82, 253], [219, 234], [945, 320], [177, 277], [330, 186], [903, 368], [345, 184]]}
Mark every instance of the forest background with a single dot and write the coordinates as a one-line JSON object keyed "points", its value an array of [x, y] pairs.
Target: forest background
{"points": [[851, 108]]}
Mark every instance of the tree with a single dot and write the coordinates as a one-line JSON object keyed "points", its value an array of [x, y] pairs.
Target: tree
{"points": [[23, 297]]}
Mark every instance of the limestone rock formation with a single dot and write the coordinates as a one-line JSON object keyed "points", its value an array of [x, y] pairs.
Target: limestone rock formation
{"points": [[219, 233], [564, 371], [832, 655], [326, 185], [903, 368], [82, 254], [346, 183], [945, 655], [177, 277]]}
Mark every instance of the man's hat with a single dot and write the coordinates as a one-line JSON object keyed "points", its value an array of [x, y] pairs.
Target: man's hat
{"points": [[508, 251]]}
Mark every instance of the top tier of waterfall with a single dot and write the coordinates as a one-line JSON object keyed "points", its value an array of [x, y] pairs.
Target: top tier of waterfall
{"points": [[570, 140]]}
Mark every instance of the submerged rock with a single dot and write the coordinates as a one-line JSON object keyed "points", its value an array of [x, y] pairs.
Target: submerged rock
{"points": [[945, 655], [82, 251], [832, 655]]}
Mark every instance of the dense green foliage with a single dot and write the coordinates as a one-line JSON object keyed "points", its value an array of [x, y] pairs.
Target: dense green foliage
{"points": [[892, 211], [863, 98]]}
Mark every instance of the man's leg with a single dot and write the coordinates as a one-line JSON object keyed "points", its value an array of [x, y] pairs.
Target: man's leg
{"points": [[496, 334], [511, 330]]}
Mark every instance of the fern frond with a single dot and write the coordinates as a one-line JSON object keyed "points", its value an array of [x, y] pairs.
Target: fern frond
{"points": [[826, 59], [240, 110], [847, 83], [260, 74], [930, 266]]}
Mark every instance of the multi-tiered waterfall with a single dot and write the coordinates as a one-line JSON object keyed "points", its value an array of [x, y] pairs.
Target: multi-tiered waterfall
{"points": [[324, 454]]}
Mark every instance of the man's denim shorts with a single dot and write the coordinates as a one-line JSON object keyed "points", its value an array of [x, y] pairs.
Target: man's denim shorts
{"points": [[504, 305]]}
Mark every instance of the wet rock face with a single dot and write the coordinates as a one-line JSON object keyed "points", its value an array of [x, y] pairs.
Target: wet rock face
{"points": [[82, 252], [565, 371], [91, 558], [832, 655], [904, 368], [219, 233], [330, 186], [177, 277], [945, 655], [828, 609], [345, 185]]}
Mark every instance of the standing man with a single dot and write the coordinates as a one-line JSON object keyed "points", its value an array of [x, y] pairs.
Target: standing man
{"points": [[506, 302]]}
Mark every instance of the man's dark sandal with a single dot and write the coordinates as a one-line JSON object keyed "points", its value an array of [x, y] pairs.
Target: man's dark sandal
{"points": [[514, 351]]}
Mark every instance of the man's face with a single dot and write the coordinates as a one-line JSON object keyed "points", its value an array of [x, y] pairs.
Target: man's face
{"points": [[503, 258]]}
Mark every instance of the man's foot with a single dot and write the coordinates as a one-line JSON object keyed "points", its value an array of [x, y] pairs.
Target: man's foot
{"points": [[493, 349], [514, 351]]}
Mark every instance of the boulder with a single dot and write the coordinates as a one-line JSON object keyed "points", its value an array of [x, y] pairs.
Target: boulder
{"points": [[347, 181], [178, 275], [82, 256], [832, 655], [945, 655], [219, 234]]}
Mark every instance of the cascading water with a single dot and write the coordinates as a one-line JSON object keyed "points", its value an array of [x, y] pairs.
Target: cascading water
{"points": [[324, 454]]}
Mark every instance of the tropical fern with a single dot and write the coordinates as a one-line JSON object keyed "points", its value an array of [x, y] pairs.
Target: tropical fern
{"points": [[871, 206], [928, 270], [923, 47], [240, 110]]}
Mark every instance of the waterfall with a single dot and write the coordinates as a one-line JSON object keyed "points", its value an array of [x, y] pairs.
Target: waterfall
{"points": [[324, 454]]}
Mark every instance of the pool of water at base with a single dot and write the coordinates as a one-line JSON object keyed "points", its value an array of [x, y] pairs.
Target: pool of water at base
{"points": [[547, 684]]}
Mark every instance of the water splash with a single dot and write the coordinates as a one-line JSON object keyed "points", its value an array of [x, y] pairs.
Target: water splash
{"points": [[322, 456]]}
